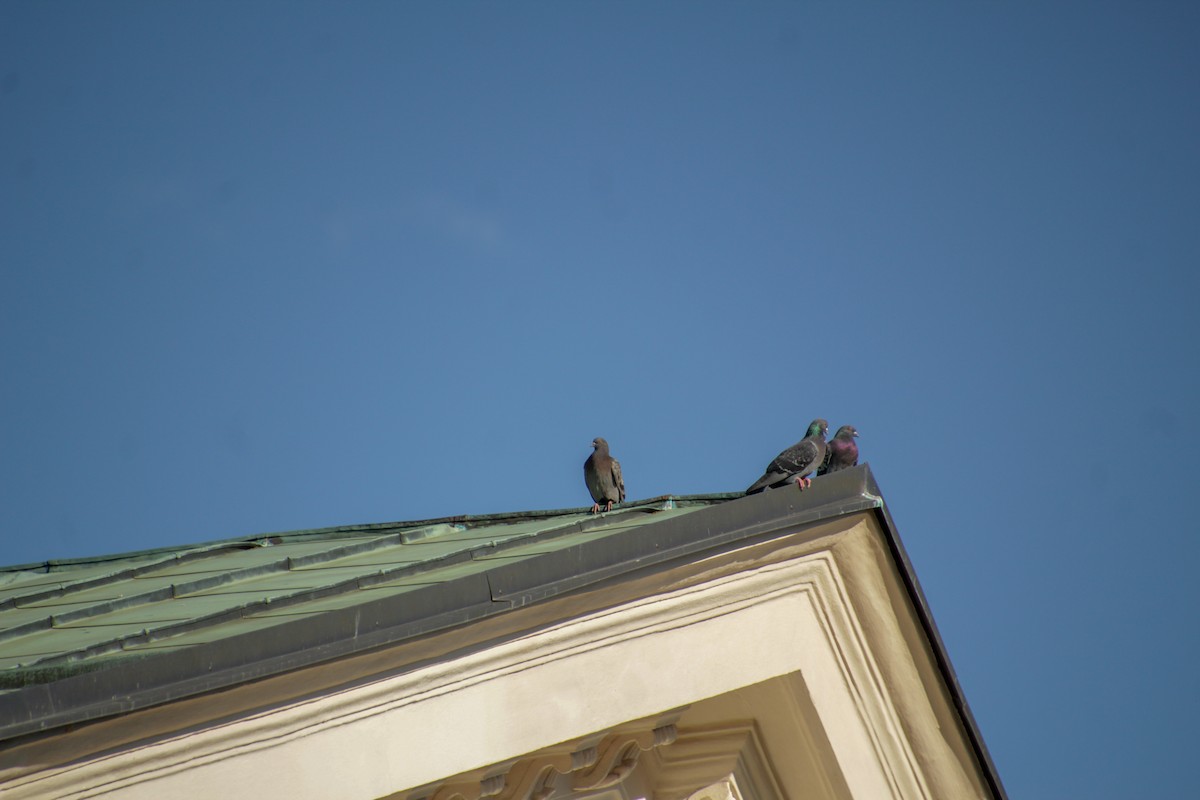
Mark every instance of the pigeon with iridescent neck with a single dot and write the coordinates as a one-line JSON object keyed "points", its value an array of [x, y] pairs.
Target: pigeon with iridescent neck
{"points": [[795, 463], [842, 451]]}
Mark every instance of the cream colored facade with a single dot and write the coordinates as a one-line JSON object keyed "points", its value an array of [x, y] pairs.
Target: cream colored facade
{"points": [[795, 667]]}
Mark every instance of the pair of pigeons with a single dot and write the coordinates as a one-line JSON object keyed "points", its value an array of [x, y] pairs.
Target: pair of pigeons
{"points": [[811, 454], [602, 472]]}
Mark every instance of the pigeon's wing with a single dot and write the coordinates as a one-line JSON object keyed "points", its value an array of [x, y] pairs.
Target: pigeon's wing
{"points": [[618, 481], [785, 465], [799, 459], [783, 461]]}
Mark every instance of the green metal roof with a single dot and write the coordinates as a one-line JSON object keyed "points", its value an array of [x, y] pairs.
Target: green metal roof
{"points": [[67, 617]]}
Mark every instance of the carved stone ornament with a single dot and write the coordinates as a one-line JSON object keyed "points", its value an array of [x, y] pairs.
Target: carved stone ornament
{"points": [[619, 755], [534, 778]]}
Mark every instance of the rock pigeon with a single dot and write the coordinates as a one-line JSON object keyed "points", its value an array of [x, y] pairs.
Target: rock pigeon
{"points": [[842, 451], [602, 473], [797, 461]]}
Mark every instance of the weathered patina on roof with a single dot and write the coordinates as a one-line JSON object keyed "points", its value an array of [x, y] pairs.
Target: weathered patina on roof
{"points": [[69, 616]]}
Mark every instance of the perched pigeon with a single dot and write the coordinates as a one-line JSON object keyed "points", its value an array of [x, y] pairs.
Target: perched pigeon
{"points": [[842, 451], [602, 473], [797, 461]]}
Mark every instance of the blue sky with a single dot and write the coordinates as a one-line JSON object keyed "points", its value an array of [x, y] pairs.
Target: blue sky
{"points": [[269, 266]]}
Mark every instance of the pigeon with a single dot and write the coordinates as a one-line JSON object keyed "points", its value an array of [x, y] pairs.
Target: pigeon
{"points": [[602, 473], [842, 451], [797, 461]]}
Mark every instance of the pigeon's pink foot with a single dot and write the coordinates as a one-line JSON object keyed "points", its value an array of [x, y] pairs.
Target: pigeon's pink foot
{"points": [[595, 507], [608, 507]]}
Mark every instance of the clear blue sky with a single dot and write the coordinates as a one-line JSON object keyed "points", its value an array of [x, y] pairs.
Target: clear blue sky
{"points": [[268, 266]]}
